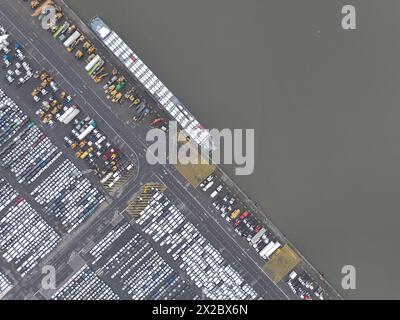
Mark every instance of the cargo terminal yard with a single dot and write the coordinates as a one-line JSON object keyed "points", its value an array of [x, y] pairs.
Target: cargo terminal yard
{"points": [[76, 103]]}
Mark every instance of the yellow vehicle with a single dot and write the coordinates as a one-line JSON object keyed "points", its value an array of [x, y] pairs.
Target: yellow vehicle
{"points": [[91, 50], [74, 145], [46, 107], [41, 114], [43, 75], [35, 4], [44, 84], [84, 155], [59, 13], [117, 98], [78, 154], [79, 54], [110, 88], [129, 93], [83, 143], [235, 214], [47, 118], [99, 78], [54, 111], [87, 45]]}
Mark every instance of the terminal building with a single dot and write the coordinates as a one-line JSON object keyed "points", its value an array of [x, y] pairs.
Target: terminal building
{"points": [[190, 126]]}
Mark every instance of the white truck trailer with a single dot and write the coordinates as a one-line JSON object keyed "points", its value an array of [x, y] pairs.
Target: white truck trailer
{"points": [[88, 130], [75, 36], [258, 236], [92, 63], [69, 115], [271, 250]]}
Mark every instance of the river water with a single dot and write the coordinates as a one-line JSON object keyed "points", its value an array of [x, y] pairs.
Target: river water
{"points": [[324, 104]]}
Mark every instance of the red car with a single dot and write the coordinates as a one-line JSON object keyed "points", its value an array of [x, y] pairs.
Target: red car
{"points": [[244, 215], [108, 154], [19, 199]]}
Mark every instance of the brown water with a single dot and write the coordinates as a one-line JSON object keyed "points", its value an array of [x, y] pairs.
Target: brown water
{"points": [[324, 103]]}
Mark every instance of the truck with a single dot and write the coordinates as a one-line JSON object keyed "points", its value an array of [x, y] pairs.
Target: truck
{"points": [[244, 215], [258, 236], [269, 249], [72, 39], [92, 63], [272, 250], [142, 114], [235, 214], [264, 250], [61, 29], [208, 186], [214, 194], [106, 178], [89, 129], [66, 114], [110, 82], [71, 116]]}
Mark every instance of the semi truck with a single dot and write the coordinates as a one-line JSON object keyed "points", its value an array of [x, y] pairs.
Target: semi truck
{"points": [[71, 116], [235, 214], [92, 63], [258, 236], [61, 29], [269, 249], [266, 249], [72, 39], [66, 114], [89, 129]]}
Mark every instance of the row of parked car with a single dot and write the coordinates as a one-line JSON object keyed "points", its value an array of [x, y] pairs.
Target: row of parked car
{"points": [[13, 59], [30, 152], [11, 118], [304, 286], [146, 274], [5, 285], [68, 196], [194, 254], [25, 238], [248, 226], [85, 285], [7, 194], [244, 222]]}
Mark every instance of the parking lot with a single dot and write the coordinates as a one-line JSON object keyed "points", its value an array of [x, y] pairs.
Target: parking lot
{"points": [[123, 264], [25, 238], [68, 196], [248, 226], [56, 108], [192, 252], [5, 285], [85, 285]]}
